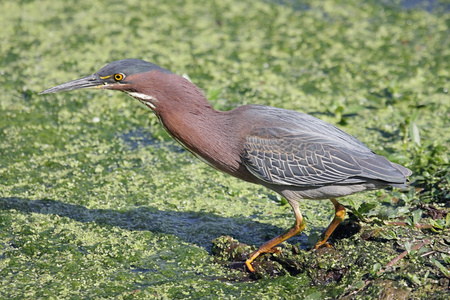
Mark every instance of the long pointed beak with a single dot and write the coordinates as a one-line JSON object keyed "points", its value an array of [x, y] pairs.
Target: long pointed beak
{"points": [[91, 81]]}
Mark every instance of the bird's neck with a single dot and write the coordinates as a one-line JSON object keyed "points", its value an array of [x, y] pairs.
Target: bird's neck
{"points": [[190, 119]]}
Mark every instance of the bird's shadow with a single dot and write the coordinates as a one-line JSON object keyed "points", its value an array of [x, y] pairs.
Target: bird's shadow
{"points": [[199, 228]]}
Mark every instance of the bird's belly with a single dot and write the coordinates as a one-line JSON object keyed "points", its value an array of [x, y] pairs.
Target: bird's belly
{"points": [[328, 191]]}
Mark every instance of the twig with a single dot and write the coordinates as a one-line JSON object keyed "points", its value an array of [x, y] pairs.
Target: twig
{"points": [[402, 255], [428, 253], [418, 226], [391, 263]]}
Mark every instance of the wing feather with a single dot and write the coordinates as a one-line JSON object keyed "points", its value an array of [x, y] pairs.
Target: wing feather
{"points": [[306, 159]]}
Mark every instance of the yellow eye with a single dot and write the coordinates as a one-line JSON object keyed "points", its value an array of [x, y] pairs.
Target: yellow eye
{"points": [[118, 76]]}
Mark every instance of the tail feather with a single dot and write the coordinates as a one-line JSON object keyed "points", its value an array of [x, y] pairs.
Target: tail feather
{"points": [[407, 172]]}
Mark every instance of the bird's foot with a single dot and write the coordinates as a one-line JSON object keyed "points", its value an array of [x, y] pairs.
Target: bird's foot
{"points": [[248, 263], [254, 255], [322, 245]]}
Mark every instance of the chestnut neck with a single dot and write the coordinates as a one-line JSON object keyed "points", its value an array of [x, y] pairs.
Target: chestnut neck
{"points": [[190, 119]]}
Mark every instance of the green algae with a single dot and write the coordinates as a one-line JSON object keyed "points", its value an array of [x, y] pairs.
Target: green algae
{"points": [[97, 201]]}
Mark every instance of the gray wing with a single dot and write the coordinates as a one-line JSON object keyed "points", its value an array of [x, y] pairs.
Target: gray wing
{"points": [[310, 159]]}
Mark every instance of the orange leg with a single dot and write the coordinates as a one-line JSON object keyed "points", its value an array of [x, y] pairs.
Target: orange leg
{"points": [[338, 218], [267, 247]]}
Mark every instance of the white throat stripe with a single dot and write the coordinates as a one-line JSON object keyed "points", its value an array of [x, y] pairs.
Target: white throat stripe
{"points": [[146, 99], [142, 97]]}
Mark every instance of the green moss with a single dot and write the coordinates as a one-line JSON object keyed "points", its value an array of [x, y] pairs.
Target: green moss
{"points": [[96, 200]]}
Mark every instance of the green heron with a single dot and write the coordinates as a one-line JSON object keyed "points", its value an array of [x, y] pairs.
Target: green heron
{"points": [[291, 153]]}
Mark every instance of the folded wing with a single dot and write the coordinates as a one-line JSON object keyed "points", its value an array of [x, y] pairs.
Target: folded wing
{"points": [[284, 157]]}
